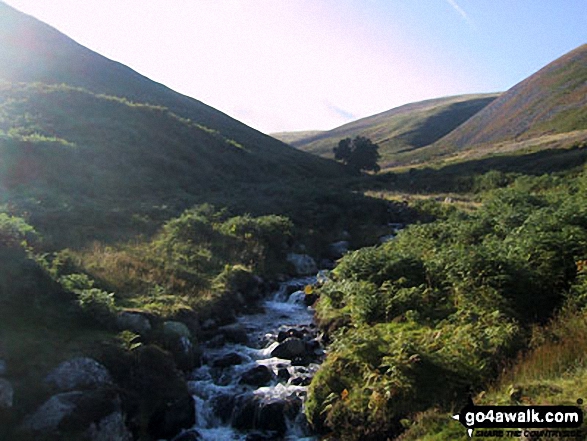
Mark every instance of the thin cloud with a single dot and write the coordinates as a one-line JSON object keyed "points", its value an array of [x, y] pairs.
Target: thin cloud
{"points": [[460, 10]]}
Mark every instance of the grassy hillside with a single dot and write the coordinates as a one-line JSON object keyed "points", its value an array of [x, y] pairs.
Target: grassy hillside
{"points": [[293, 137], [553, 100], [402, 129], [91, 161], [32, 51]]}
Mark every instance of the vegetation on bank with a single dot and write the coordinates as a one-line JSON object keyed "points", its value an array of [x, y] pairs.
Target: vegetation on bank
{"points": [[422, 321]]}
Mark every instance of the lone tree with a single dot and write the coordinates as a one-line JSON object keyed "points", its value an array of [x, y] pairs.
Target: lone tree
{"points": [[358, 154]]}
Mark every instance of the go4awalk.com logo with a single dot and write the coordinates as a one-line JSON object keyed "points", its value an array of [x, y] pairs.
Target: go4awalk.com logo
{"points": [[516, 421]]}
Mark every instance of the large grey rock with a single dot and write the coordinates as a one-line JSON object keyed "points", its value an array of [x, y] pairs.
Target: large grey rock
{"points": [[290, 348], [6, 394], [304, 265], [133, 321], [94, 415], [176, 329], [110, 428], [258, 376], [79, 373], [235, 333], [48, 417]]}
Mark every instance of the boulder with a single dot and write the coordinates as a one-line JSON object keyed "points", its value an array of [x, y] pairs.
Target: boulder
{"points": [[255, 412], [230, 359], [178, 341], [172, 418], [109, 428], [235, 333], [173, 329], [79, 373], [94, 415], [283, 374], [223, 406], [303, 264], [133, 321], [257, 376], [290, 348], [6, 394]]}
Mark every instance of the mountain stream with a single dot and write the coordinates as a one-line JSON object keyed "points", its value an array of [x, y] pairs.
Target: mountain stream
{"points": [[251, 386]]}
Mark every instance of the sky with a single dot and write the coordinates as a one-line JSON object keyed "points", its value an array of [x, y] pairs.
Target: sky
{"points": [[288, 65]]}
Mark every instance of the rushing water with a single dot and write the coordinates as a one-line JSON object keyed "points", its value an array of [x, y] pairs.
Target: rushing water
{"points": [[235, 398]]}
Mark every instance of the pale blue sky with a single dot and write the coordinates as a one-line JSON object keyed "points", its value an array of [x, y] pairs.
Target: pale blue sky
{"points": [[282, 65]]}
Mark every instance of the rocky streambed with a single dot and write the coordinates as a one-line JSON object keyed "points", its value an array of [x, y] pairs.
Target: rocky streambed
{"points": [[254, 377]]}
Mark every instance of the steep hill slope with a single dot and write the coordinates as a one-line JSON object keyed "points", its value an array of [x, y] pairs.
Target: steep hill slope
{"points": [[89, 143], [32, 51], [553, 100], [402, 129]]}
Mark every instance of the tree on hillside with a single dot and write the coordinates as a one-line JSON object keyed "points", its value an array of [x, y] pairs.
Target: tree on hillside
{"points": [[358, 154]]}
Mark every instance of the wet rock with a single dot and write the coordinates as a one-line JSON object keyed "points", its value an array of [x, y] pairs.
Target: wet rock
{"points": [[235, 333], [303, 264], [6, 394], [290, 348], [109, 428], [216, 342], [283, 335], [172, 418], [252, 412], [133, 321], [223, 406], [79, 373], [229, 359], [283, 374], [188, 435], [301, 381], [257, 376], [95, 415]]}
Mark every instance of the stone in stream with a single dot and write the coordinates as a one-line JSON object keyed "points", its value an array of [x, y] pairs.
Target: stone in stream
{"points": [[283, 374], [230, 359], [235, 333], [257, 376], [290, 348], [253, 412]]}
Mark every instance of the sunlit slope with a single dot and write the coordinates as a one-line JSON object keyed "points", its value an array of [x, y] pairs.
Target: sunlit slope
{"points": [[553, 100], [402, 129]]}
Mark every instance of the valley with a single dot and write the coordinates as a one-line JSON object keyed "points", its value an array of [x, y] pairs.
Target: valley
{"points": [[159, 260]]}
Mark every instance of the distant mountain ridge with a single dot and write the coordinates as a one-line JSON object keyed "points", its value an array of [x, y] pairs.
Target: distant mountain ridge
{"points": [[401, 129], [553, 100]]}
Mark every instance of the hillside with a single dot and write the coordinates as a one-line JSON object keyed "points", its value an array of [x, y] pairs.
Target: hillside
{"points": [[402, 129], [553, 100], [32, 51], [126, 150]]}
